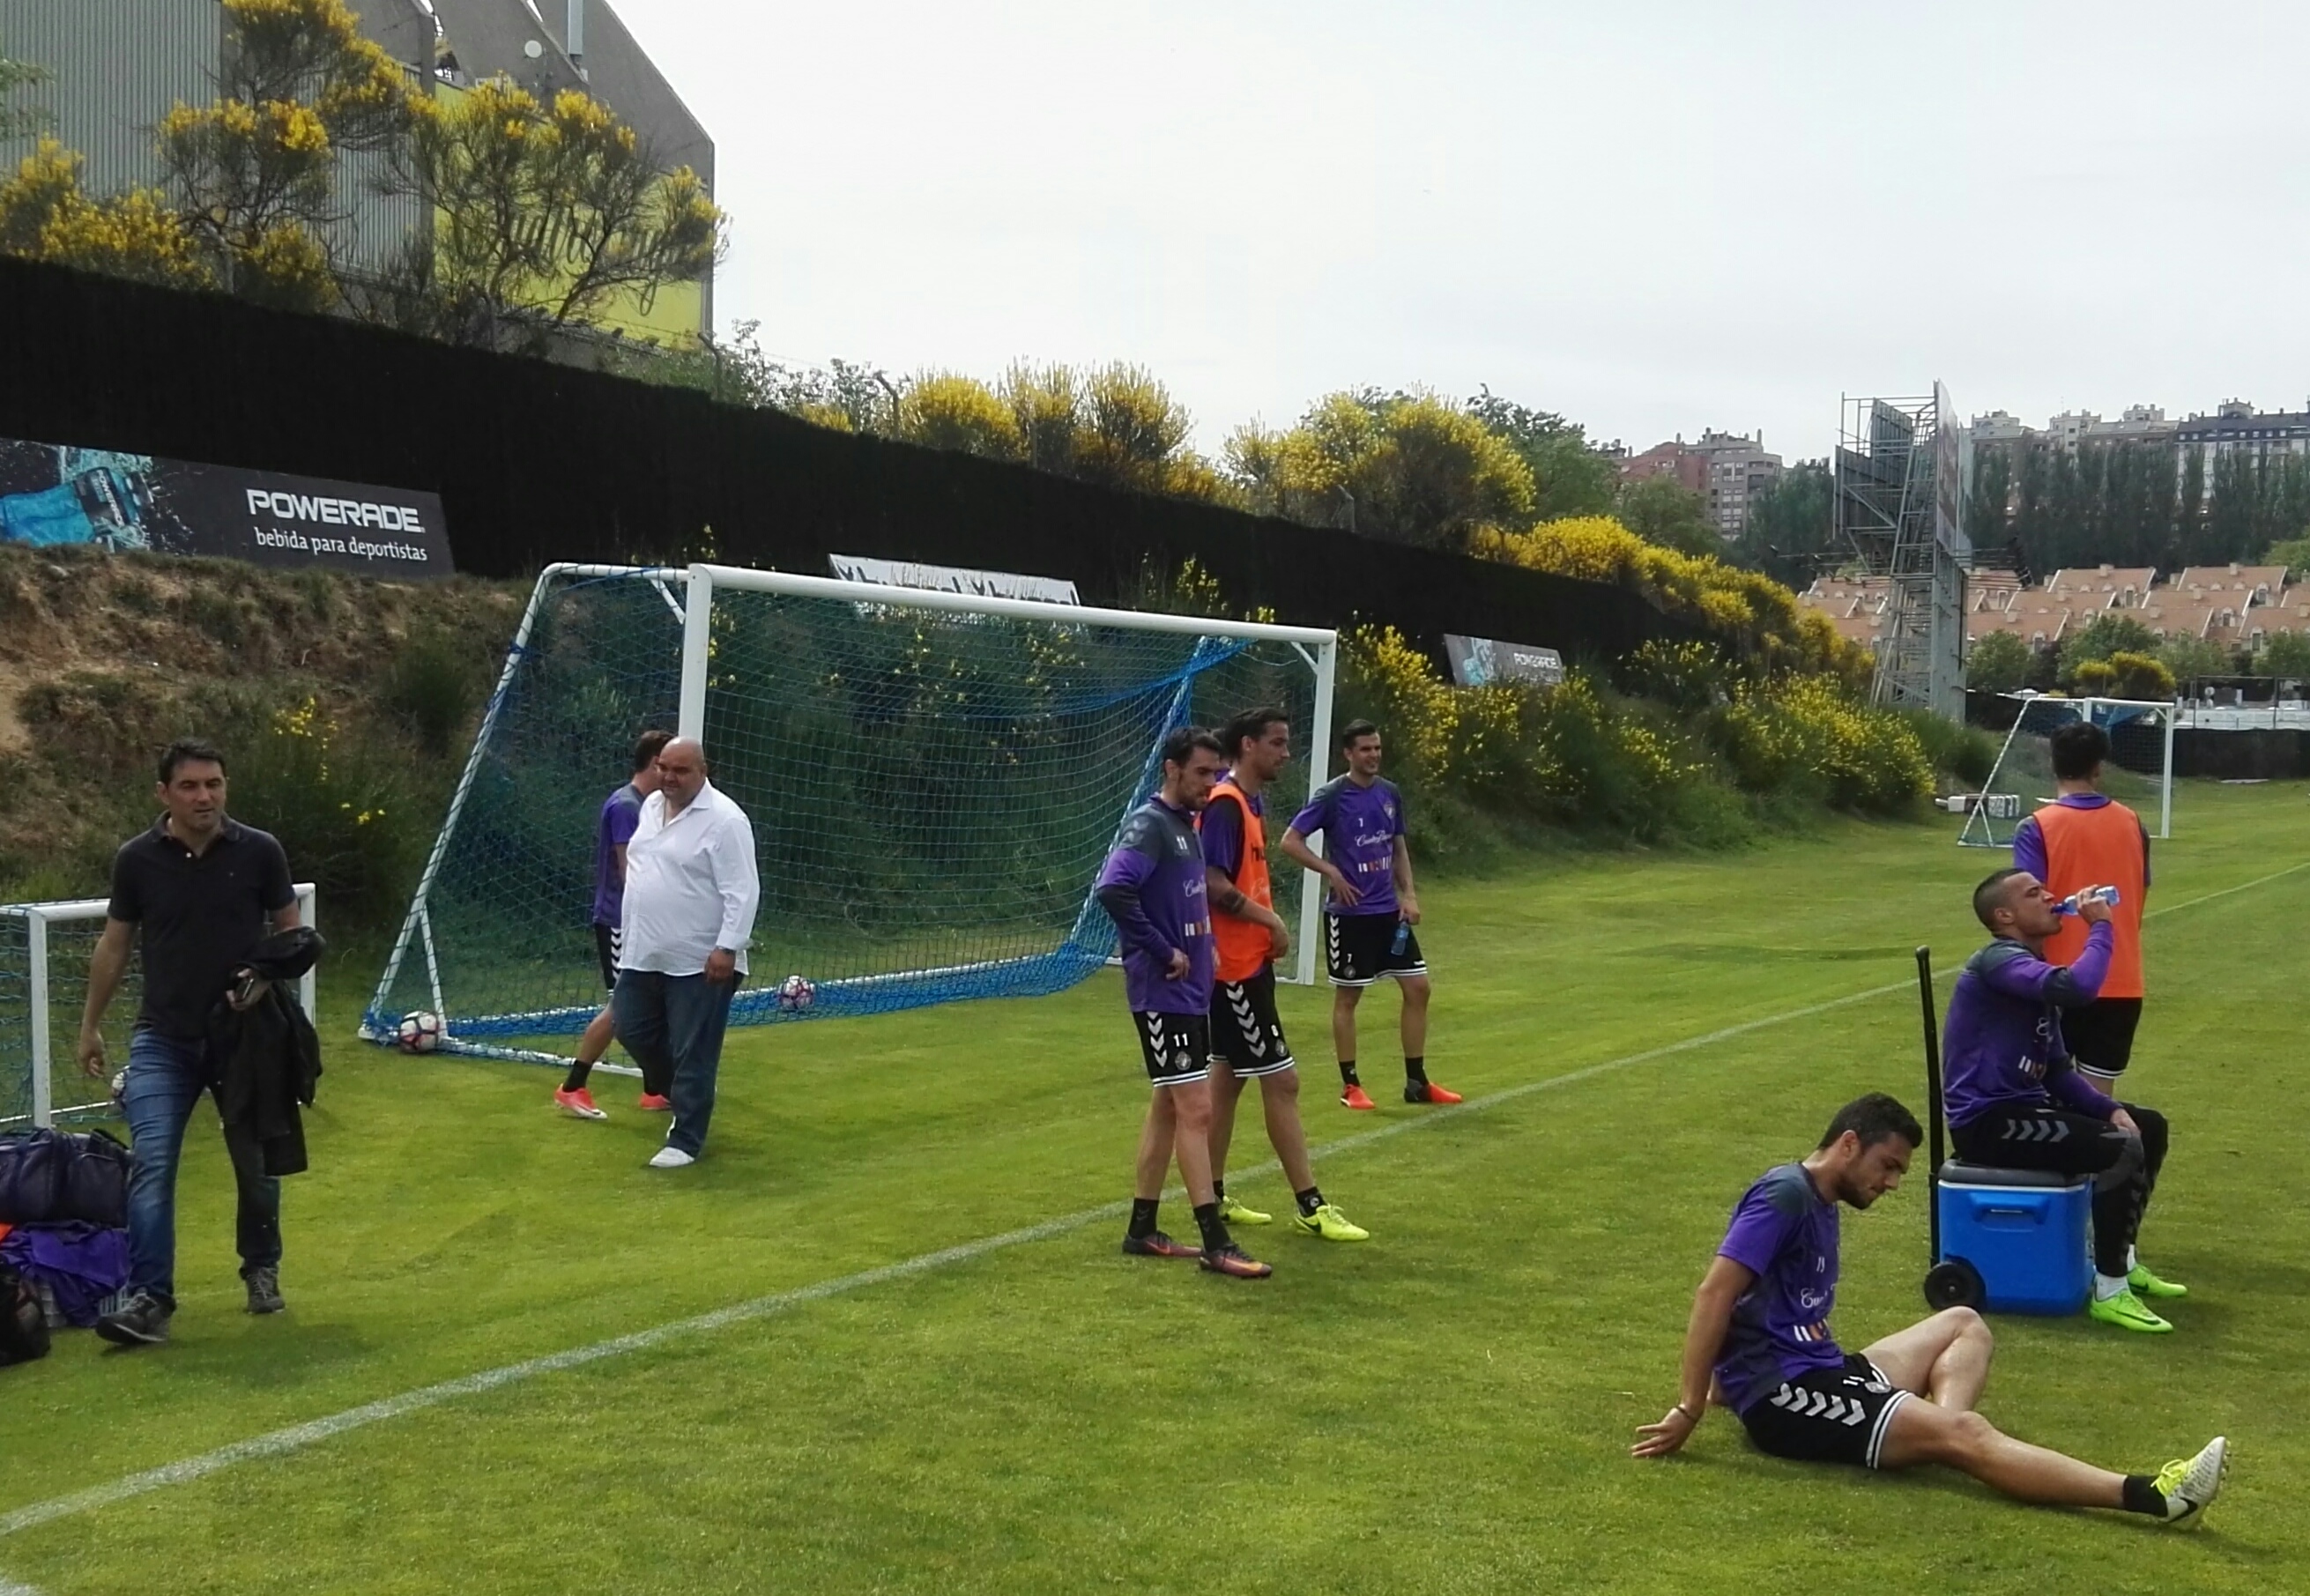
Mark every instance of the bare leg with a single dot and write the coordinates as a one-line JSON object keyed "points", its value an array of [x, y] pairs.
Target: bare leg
{"points": [[1926, 1433], [1415, 1015], [1192, 1114], [595, 1041], [1227, 1091], [1343, 1020], [1279, 1095], [1944, 1359], [1156, 1139]]}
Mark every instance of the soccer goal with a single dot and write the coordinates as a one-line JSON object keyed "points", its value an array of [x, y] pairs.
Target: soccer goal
{"points": [[933, 780], [45, 948], [2138, 772]]}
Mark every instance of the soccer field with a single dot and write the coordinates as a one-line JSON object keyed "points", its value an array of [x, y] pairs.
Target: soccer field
{"points": [[947, 1378]]}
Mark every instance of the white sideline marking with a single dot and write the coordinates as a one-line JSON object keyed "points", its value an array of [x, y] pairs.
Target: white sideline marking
{"points": [[10, 1587], [296, 1436]]}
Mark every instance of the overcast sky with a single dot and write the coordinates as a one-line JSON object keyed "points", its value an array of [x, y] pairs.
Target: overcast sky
{"points": [[1653, 218]]}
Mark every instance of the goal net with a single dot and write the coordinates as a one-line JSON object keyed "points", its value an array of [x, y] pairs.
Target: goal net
{"points": [[2138, 772], [45, 948], [933, 780]]}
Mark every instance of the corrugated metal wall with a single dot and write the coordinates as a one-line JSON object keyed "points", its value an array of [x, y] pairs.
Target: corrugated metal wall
{"points": [[117, 66]]}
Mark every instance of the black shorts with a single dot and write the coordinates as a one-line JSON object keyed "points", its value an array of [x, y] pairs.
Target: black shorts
{"points": [[605, 945], [1247, 1035], [2101, 1035], [1830, 1416], [1177, 1047], [1360, 949]]}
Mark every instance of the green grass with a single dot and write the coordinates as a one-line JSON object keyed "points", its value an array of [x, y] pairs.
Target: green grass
{"points": [[1444, 1408]]}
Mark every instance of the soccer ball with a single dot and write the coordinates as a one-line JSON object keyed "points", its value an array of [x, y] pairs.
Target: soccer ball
{"points": [[795, 992], [419, 1032], [121, 1094]]}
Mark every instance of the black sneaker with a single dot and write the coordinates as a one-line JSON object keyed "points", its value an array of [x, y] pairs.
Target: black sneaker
{"points": [[140, 1320], [264, 1290], [1156, 1244]]}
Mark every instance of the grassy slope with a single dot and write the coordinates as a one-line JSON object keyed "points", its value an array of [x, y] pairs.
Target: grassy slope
{"points": [[1444, 1408]]}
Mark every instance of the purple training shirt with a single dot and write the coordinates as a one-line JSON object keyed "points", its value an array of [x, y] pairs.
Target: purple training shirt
{"points": [[1359, 826], [2002, 1039], [622, 811], [1152, 888], [1785, 1232]]}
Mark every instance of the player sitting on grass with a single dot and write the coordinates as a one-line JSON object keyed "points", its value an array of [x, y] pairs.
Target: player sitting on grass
{"points": [[1247, 1032], [2015, 1101], [1152, 887], [1370, 910], [1759, 1342]]}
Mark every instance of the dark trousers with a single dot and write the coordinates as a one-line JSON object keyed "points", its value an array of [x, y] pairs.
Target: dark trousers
{"points": [[673, 1025], [2124, 1167], [166, 1077]]}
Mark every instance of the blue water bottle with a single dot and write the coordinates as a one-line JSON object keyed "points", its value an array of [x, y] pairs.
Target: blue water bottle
{"points": [[2069, 905], [1403, 939]]}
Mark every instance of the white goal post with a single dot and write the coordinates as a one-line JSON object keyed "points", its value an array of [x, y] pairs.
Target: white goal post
{"points": [[932, 776], [2141, 730], [43, 961]]}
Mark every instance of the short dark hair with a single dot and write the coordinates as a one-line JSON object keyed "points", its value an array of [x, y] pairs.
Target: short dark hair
{"points": [[1874, 1118], [2078, 747], [1181, 744], [1990, 896], [647, 747], [1251, 724], [1355, 730], [188, 750]]}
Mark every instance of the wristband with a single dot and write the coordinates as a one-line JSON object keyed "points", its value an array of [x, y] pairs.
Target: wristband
{"points": [[1688, 1413]]}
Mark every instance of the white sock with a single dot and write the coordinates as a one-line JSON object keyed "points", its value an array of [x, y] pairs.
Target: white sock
{"points": [[2108, 1285], [2133, 1260]]}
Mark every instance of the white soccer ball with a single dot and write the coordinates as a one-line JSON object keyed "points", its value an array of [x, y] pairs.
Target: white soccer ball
{"points": [[419, 1032], [795, 992]]}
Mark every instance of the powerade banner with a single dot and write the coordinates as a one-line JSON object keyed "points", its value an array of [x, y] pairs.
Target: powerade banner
{"points": [[53, 494], [1478, 662]]}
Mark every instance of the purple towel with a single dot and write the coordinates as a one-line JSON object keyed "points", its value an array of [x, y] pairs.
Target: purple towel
{"points": [[80, 1264]]}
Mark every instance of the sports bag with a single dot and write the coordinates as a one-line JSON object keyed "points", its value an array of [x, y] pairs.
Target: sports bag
{"points": [[23, 1327], [50, 1176]]}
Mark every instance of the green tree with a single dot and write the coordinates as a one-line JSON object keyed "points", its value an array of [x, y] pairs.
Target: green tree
{"points": [[1662, 510], [1115, 425], [2284, 653], [1790, 530], [2189, 657], [2293, 553], [1569, 478], [2111, 632], [19, 121], [1998, 663]]}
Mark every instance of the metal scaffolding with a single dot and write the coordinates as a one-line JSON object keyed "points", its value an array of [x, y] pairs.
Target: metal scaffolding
{"points": [[1901, 468]]}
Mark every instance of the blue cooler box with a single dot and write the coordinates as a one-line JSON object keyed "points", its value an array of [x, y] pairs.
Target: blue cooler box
{"points": [[2024, 1233]]}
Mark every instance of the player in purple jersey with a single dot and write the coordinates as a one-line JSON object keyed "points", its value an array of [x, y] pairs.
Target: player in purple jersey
{"points": [[2017, 1101], [1759, 1342], [1152, 887], [1370, 910], [622, 811]]}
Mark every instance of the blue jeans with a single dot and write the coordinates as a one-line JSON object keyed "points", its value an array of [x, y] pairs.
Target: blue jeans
{"points": [[166, 1077], [673, 1025]]}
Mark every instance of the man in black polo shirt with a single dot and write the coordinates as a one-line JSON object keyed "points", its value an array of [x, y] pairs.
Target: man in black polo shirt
{"points": [[201, 885]]}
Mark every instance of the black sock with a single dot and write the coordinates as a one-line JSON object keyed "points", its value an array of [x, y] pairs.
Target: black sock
{"points": [[1216, 1238], [1415, 1068], [1348, 1072], [1310, 1199], [2142, 1495], [574, 1082], [1142, 1215], [1219, 1189]]}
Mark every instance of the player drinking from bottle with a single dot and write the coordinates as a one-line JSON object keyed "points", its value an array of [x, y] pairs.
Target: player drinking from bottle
{"points": [[1371, 908], [1247, 1033], [1759, 1342], [1152, 887]]}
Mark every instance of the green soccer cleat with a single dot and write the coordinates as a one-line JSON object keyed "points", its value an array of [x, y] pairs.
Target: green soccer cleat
{"points": [[2190, 1485], [2126, 1311], [2146, 1283], [1330, 1224], [1236, 1213]]}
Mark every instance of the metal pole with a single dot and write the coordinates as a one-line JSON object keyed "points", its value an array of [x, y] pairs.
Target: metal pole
{"points": [[1319, 760], [2165, 787], [1933, 1101], [309, 985], [35, 936], [697, 654]]}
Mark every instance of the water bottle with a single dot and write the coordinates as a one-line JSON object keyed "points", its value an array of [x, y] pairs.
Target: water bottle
{"points": [[2069, 905], [1403, 939]]}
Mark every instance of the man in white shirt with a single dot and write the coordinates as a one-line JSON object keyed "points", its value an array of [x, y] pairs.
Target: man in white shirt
{"points": [[692, 890]]}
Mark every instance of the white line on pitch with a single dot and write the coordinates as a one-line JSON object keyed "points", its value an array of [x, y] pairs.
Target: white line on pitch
{"points": [[297, 1436], [10, 1587]]}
